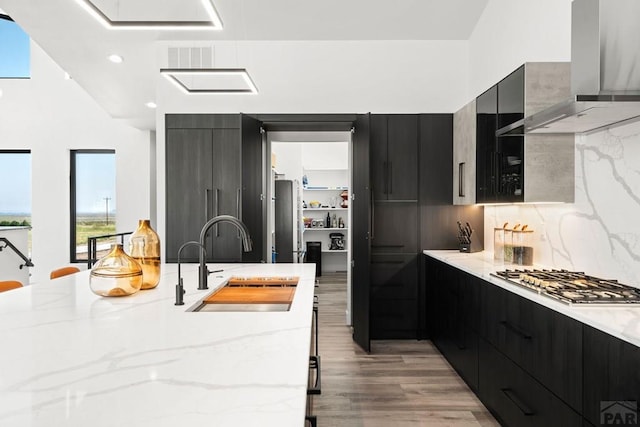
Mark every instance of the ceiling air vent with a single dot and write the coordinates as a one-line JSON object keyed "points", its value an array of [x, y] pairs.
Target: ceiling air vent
{"points": [[190, 57]]}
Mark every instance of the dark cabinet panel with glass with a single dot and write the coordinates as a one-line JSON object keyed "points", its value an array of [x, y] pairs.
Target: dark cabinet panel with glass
{"points": [[512, 166], [486, 125]]}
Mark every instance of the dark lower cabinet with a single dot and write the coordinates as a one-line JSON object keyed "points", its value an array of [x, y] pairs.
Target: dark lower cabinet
{"points": [[515, 397], [611, 379], [529, 365], [454, 311], [545, 343], [394, 284]]}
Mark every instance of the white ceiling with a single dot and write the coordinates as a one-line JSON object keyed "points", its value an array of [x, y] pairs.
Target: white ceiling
{"points": [[80, 45]]}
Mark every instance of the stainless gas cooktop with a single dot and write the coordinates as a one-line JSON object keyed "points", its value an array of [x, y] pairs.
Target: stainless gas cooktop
{"points": [[573, 288]]}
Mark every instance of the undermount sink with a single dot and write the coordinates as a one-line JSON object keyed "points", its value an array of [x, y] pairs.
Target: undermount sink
{"points": [[260, 294], [242, 307], [263, 281]]}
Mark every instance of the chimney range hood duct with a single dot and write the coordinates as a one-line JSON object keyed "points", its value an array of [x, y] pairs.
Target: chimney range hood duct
{"points": [[605, 72]]}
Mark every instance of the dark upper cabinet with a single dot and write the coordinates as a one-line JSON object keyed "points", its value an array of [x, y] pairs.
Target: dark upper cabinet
{"points": [[394, 160], [486, 125], [189, 155], [511, 98], [203, 180], [510, 148], [517, 167], [499, 165]]}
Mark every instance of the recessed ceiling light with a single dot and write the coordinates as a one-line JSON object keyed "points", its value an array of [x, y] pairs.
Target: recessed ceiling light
{"points": [[116, 59], [151, 104], [200, 80], [215, 22]]}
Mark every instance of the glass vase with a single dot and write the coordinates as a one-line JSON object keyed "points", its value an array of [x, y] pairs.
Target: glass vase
{"points": [[116, 275], [144, 247]]}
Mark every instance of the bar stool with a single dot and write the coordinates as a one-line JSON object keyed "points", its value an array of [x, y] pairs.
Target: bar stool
{"points": [[64, 271], [7, 285]]}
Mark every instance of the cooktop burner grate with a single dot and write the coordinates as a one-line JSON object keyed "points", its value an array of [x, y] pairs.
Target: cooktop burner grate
{"points": [[573, 287]]}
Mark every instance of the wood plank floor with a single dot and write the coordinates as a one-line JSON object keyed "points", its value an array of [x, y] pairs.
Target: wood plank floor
{"points": [[401, 383]]}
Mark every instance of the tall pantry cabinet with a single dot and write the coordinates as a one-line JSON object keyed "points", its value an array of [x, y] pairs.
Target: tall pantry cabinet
{"points": [[411, 210], [204, 178], [394, 213]]}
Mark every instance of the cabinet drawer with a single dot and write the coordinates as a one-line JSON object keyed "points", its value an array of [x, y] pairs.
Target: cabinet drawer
{"points": [[611, 374], [543, 342], [461, 351], [394, 276], [394, 318], [515, 397], [395, 226]]}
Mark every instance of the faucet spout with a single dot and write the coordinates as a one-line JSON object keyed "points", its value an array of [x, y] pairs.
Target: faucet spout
{"points": [[244, 234]]}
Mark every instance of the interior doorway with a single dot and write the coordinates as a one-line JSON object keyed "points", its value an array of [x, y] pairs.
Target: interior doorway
{"points": [[309, 189]]}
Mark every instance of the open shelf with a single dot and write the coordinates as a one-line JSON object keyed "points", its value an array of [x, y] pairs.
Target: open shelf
{"points": [[325, 229], [326, 209], [317, 188]]}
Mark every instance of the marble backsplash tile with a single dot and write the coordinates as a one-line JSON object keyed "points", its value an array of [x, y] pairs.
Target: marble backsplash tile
{"points": [[600, 232]]}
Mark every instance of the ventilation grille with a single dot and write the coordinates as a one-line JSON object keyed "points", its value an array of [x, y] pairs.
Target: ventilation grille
{"points": [[190, 57]]}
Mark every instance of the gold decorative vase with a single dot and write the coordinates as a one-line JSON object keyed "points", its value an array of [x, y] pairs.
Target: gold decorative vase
{"points": [[144, 247], [116, 275]]}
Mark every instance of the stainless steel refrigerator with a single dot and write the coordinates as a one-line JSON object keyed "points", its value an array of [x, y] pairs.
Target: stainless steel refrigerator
{"points": [[288, 221]]}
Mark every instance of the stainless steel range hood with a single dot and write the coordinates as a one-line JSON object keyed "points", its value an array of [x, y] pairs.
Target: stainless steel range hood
{"points": [[605, 72]]}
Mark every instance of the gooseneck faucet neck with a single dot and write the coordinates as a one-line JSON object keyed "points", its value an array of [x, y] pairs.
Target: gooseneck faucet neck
{"points": [[244, 234]]}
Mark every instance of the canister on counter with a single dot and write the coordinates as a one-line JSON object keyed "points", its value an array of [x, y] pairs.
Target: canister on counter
{"points": [[523, 247], [498, 244], [508, 246]]}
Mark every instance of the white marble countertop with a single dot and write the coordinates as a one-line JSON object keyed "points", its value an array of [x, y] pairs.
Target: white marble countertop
{"points": [[620, 321], [72, 358]]}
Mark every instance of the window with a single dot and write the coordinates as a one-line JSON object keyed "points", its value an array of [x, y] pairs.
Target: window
{"points": [[93, 199], [15, 189], [14, 50]]}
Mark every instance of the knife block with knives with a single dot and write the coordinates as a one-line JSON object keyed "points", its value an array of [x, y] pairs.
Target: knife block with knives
{"points": [[466, 243]]}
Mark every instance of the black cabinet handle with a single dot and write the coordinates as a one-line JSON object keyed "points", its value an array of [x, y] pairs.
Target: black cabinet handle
{"points": [[386, 177], [372, 224], [217, 210], [387, 246], [516, 330], [513, 397], [238, 214], [387, 262], [461, 179], [390, 177], [206, 205]]}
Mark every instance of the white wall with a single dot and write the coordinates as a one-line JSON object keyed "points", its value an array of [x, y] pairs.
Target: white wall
{"points": [[333, 77], [50, 116], [512, 32]]}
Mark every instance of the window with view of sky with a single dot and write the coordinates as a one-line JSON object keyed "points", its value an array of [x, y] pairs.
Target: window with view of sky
{"points": [[93, 192], [14, 50], [15, 190]]}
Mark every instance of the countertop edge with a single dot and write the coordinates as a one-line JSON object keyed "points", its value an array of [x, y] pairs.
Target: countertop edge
{"points": [[621, 322]]}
